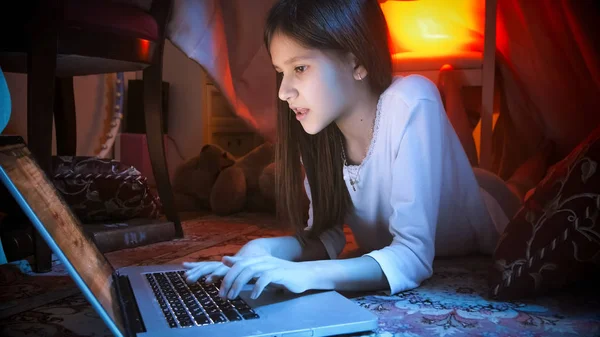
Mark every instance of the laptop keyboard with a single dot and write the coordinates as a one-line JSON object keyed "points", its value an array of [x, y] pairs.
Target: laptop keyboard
{"points": [[185, 305]]}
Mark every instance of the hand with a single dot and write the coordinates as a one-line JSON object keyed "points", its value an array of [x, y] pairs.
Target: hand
{"points": [[214, 270], [293, 276]]}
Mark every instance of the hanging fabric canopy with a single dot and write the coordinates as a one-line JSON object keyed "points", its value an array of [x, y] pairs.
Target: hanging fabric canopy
{"points": [[225, 38], [547, 63]]}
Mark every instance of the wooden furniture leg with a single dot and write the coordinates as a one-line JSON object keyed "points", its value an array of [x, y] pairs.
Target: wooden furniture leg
{"points": [[154, 137], [41, 65], [152, 77], [65, 117]]}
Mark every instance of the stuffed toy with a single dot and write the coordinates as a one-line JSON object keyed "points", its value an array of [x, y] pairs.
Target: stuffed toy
{"points": [[193, 181], [215, 180], [266, 183], [247, 185]]}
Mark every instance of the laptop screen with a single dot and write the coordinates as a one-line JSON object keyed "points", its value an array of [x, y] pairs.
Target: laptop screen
{"points": [[62, 225]]}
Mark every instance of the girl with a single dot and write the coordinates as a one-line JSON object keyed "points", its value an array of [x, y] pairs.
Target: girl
{"points": [[379, 154]]}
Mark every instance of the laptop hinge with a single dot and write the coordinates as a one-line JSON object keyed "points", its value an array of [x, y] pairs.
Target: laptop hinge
{"points": [[131, 312]]}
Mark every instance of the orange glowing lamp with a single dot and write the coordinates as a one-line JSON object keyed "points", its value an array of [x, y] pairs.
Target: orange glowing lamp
{"points": [[435, 27]]}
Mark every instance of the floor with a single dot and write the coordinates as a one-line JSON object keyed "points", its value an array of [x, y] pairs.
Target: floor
{"points": [[50, 304], [452, 303]]}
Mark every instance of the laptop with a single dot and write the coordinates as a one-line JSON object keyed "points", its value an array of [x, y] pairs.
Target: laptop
{"points": [[156, 300]]}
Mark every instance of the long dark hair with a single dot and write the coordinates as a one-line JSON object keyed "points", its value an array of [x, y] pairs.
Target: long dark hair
{"points": [[342, 26]]}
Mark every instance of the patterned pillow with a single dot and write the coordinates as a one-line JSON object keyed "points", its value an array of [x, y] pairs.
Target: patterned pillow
{"points": [[99, 190], [555, 236]]}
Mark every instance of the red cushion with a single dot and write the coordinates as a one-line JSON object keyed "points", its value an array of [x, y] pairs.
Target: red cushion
{"points": [[554, 240], [104, 15], [100, 190]]}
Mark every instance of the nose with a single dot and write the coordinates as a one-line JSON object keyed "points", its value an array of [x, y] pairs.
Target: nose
{"points": [[286, 90]]}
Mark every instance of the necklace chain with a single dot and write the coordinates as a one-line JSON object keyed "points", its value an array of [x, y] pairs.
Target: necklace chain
{"points": [[355, 179]]}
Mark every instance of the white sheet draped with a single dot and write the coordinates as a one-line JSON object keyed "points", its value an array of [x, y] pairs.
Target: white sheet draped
{"points": [[225, 38]]}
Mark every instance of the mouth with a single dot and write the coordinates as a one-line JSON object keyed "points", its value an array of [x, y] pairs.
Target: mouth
{"points": [[300, 113]]}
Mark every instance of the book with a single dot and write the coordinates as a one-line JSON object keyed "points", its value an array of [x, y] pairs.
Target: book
{"points": [[18, 243], [129, 234], [21, 169]]}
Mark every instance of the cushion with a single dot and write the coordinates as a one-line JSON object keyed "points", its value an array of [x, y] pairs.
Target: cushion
{"points": [[111, 16], [100, 190], [555, 236]]}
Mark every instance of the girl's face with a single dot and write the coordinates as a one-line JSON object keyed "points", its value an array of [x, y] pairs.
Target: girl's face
{"points": [[317, 85]]}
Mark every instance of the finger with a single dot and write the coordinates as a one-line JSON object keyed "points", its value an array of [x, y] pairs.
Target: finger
{"points": [[194, 266], [201, 270], [193, 275], [244, 277], [191, 265], [217, 274], [261, 283], [229, 261], [234, 271]]}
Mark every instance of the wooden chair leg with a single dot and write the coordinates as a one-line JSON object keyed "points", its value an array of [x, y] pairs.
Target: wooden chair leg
{"points": [[154, 135], [41, 69], [65, 117]]}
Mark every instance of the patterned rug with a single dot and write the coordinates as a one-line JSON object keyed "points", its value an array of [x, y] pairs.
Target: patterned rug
{"points": [[452, 303]]}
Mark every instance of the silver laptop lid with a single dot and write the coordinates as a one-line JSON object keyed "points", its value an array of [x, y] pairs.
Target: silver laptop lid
{"points": [[59, 227]]}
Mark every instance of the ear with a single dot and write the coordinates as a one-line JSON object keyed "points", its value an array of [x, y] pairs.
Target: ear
{"points": [[359, 72], [225, 161]]}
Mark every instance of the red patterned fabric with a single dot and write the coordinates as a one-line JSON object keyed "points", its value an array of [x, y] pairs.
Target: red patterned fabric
{"points": [[554, 240], [99, 190]]}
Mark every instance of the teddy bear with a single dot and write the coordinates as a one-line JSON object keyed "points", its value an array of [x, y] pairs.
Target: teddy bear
{"points": [[247, 185], [217, 181], [193, 180]]}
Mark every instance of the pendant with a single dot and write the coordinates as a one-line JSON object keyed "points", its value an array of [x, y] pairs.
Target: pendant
{"points": [[353, 183]]}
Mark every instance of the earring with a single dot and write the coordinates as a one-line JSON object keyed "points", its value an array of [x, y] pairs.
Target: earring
{"points": [[359, 77]]}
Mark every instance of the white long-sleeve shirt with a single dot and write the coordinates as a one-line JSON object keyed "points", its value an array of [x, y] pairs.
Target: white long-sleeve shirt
{"points": [[416, 195]]}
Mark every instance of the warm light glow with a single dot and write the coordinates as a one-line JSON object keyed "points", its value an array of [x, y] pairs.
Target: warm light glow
{"points": [[435, 27], [144, 49]]}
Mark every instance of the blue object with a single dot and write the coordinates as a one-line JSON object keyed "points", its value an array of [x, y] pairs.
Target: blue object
{"points": [[3, 259], [4, 102]]}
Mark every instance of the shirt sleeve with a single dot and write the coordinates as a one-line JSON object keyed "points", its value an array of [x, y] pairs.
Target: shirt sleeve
{"points": [[333, 239], [415, 198]]}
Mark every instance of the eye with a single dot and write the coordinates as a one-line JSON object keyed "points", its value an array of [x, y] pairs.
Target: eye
{"points": [[300, 69]]}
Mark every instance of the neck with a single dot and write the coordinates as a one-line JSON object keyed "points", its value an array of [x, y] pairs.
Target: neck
{"points": [[357, 125]]}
